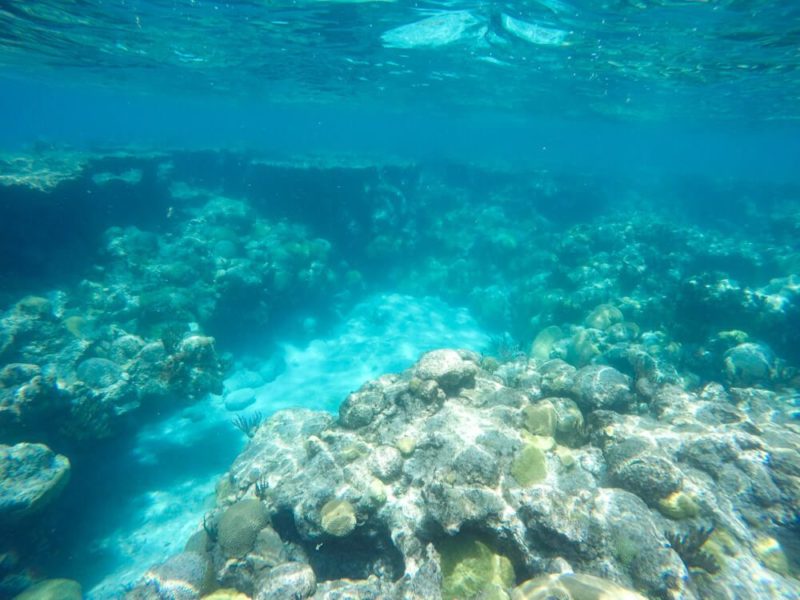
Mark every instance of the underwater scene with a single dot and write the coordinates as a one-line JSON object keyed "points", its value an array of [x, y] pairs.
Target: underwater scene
{"points": [[392, 300]]}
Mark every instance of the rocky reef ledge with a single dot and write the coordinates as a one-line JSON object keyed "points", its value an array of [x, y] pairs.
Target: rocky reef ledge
{"points": [[463, 478]]}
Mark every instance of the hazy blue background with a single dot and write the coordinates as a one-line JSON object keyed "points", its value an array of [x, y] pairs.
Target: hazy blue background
{"points": [[87, 116]]}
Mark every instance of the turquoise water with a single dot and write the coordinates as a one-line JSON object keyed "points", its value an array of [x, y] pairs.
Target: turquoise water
{"points": [[213, 211]]}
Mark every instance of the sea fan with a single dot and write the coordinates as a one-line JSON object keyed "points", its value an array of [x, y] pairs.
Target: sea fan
{"points": [[248, 424], [689, 546]]}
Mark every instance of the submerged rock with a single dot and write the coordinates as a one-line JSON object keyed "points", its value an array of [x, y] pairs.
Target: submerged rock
{"points": [[338, 518], [447, 368], [492, 497], [185, 576], [99, 372], [749, 363], [52, 589], [239, 526], [32, 476], [289, 580], [483, 492], [602, 387], [471, 569]]}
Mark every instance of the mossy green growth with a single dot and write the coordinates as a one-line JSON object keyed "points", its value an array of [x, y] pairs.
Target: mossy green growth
{"points": [[376, 492], [338, 518], [494, 592], [541, 419], [226, 594], [721, 544], [678, 505], [768, 550], [625, 550], [52, 589], [490, 364], [38, 307], [406, 445], [544, 341], [735, 336], [529, 466], [471, 568], [352, 452], [583, 347], [572, 586], [603, 317]]}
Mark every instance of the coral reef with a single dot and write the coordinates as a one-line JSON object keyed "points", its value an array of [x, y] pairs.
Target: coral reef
{"points": [[647, 441], [668, 495]]}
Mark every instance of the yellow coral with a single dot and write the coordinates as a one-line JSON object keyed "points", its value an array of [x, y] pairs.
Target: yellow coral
{"points": [[769, 552], [678, 505], [226, 594]]}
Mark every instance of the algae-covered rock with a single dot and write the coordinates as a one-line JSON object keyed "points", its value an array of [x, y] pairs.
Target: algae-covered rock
{"points": [[338, 518], [99, 372], [239, 526], [14, 374], [471, 568], [638, 467], [32, 476], [52, 589], [572, 586], [290, 580], [556, 417], [771, 554], [558, 377], [603, 317], [475, 466], [355, 589], [540, 419], [448, 369], [359, 408], [386, 463], [184, 576], [542, 346], [268, 549], [602, 387], [529, 465], [679, 505], [749, 363]]}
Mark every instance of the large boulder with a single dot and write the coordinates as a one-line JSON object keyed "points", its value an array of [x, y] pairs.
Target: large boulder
{"points": [[32, 476]]}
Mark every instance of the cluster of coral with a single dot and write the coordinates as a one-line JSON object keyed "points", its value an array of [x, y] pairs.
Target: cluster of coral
{"points": [[520, 272], [453, 481], [97, 359]]}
